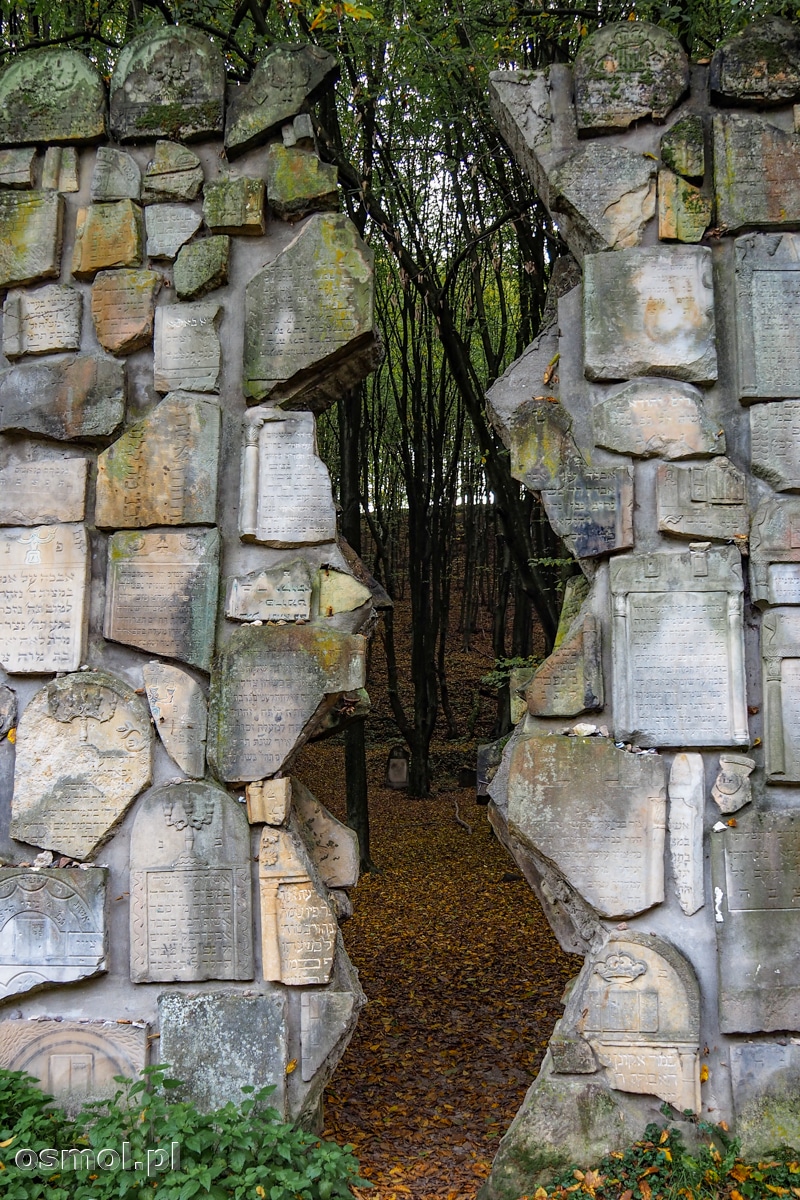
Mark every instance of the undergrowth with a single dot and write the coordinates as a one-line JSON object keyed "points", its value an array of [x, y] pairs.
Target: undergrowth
{"points": [[141, 1142], [660, 1167]]}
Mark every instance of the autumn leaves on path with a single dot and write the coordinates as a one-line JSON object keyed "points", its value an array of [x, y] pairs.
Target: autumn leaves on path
{"points": [[463, 978]]}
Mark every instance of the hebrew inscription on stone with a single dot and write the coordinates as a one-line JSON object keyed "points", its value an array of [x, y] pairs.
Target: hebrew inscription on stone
{"points": [[767, 309], [43, 491]]}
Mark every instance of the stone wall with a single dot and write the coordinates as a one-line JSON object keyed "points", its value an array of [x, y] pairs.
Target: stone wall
{"points": [[649, 792], [177, 616]]}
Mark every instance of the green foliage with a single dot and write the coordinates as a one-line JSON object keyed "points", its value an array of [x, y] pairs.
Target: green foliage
{"points": [[235, 1151], [500, 674]]}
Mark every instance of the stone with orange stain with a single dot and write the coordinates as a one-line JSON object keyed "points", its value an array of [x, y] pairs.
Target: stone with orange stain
{"points": [[76, 396], [123, 304], [684, 213], [107, 235], [298, 183]]}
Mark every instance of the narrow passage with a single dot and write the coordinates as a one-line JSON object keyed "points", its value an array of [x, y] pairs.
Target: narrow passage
{"points": [[463, 978]]}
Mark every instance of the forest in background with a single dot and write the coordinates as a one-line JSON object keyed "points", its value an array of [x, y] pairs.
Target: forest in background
{"points": [[463, 254]]}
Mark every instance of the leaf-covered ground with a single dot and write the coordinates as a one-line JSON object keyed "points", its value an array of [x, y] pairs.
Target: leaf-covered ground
{"points": [[463, 977]]}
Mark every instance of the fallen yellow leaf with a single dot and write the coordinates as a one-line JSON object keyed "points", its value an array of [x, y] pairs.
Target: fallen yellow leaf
{"points": [[12, 736], [704, 1073], [7, 1142], [291, 1066]]}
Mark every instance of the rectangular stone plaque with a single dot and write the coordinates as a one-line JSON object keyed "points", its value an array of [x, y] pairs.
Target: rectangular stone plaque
{"points": [[30, 236], [780, 653], [44, 575], [775, 443], [703, 500], [678, 648], [592, 508], [306, 934], [161, 592], [44, 491], [43, 321], [775, 551], [281, 593], [766, 1078], [285, 495], [187, 349], [756, 173], [767, 313], [757, 918]]}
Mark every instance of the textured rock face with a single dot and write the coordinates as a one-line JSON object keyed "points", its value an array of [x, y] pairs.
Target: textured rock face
{"points": [[680, 360], [122, 410]]}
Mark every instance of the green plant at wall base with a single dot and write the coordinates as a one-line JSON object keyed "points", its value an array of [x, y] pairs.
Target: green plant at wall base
{"points": [[237, 1151], [501, 672]]}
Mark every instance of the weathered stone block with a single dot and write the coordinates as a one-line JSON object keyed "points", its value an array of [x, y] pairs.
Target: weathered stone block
{"points": [[334, 847], [116, 176], [17, 166], [123, 305], [52, 927], [170, 83], [299, 183], [107, 235], [30, 236], [298, 925], [82, 396], [522, 384], [540, 442], [658, 417], [60, 169], [187, 349], [288, 79], [285, 491], [325, 1018], [767, 307], [168, 227], [174, 173], [216, 1043], [42, 322], [74, 1061], [281, 593], [161, 592], [83, 753], [684, 213], [754, 873], [339, 592], [608, 193], [43, 491], [235, 204], [591, 508], [43, 598], [759, 66], [266, 686], [775, 551], [625, 71], [52, 95], [190, 886], [732, 788], [686, 806], [678, 648], [201, 267], [163, 470], [765, 1076], [707, 500], [683, 148], [756, 173], [309, 318], [650, 312], [775, 443], [616, 799], [780, 653], [269, 801], [180, 715], [570, 680]]}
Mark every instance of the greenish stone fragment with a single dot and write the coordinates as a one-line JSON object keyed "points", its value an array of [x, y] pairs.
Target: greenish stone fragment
{"points": [[299, 183], [759, 66], [174, 173], [684, 213], [201, 267], [683, 149], [168, 84], [235, 205], [52, 95], [16, 167], [285, 82], [30, 236]]}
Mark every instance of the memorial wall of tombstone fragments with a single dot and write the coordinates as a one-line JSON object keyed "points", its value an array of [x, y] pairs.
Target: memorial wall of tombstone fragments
{"points": [[651, 790], [180, 297]]}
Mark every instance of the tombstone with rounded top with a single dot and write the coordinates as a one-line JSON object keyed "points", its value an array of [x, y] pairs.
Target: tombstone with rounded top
{"points": [[51, 95]]}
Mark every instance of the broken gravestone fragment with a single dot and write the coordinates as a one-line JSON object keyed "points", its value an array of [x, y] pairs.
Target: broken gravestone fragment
{"points": [[591, 508], [30, 236], [732, 788], [174, 173], [44, 598], [123, 305], [51, 95], [756, 173], [299, 183], [625, 71], [687, 796], [42, 490], [235, 204], [759, 66], [168, 227], [201, 267], [570, 680], [298, 925], [333, 847], [269, 801], [774, 433], [188, 355], [170, 83], [180, 715], [683, 148], [524, 380], [767, 288], [684, 212], [81, 396], [286, 80], [309, 318], [17, 167], [608, 193], [190, 852], [60, 169], [657, 417], [617, 800], [704, 500], [107, 235], [775, 551], [83, 753], [780, 654], [116, 176], [280, 593], [43, 321]]}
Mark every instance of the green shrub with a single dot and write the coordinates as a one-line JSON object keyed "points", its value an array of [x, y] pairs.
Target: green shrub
{"points": [[169, 1147]]}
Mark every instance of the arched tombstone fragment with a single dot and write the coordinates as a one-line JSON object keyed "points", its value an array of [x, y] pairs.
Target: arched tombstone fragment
{"points": [[636, 1009], [266, 685], [173, 173], [83, 753], [190, 886], [72, 398], [52, 927], [732, 788], [759, 66], [51, 95], [657, 417], [625, 71], [286, 81], [180, 714], [309, 318], [614, 800], [687, 796], [30, 236], [169, 84]]}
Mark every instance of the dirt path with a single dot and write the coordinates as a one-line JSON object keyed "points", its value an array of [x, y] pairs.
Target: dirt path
{"points": [[463, 978]]}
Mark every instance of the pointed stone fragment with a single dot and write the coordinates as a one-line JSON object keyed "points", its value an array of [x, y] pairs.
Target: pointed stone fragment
{"points": [[625, 71], [608, 193], [201, 267], [170, 83], [123, 306], [30, 236], [570, 680], [180, 715], [309, 318], [298, 926], [334, 847], [80, 396], [163, 470], [107, 235], [116, 175], [174, 173], [287, 80], [51, 95], [299, 183]]}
